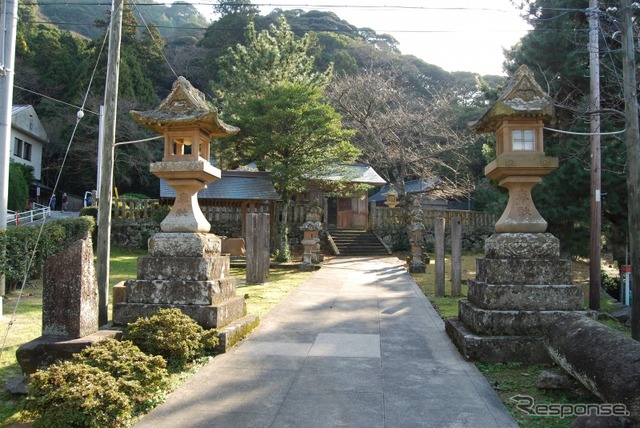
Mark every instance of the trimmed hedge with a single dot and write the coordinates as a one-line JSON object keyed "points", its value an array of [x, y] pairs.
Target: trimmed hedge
{"points": [[28, 247]]}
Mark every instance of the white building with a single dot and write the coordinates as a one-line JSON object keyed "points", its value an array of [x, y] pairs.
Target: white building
{"points": [[28, 138]]}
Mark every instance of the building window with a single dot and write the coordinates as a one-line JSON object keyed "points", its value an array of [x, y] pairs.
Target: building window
{"points": [[523, 139], [27, 152], [17, 148]]}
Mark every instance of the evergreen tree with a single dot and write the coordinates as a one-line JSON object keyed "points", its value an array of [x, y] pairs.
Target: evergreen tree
{"points": [[20, 178], [293, 133], [275, 96], [269, 58]]}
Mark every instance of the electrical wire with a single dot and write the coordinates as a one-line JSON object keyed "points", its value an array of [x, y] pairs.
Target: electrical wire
{"points": [[53, 99], [586, 134]]}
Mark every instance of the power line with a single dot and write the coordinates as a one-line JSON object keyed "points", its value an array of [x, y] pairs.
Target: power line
{"points": [[332, 30], [281, 5], [52, 99]]}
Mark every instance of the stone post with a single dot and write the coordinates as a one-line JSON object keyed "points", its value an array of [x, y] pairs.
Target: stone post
{"points": [[416, 238], [456, 257], [438, 225], [69, 309]]}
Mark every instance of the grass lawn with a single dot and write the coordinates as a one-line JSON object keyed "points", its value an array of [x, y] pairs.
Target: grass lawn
{"points": [[26, 324], [261, 298], [511, 379]]}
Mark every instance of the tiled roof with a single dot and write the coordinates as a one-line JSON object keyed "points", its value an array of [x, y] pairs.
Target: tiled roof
{"points": [[360, 173], [409, 187], [233, 185], [19, 107]]}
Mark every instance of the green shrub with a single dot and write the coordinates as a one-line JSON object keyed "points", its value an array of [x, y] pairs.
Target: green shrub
{"points": [[76, 228], [77, 395], [611, 285], [27, 247], [172, 335], [89, 212], [141, 377], [160, 213], [20, 177]]}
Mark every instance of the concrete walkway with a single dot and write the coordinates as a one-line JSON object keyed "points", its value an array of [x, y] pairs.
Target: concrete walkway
{"points": [[357, 345]]}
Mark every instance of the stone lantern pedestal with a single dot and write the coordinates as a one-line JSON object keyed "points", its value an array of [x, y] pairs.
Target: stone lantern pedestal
{"points": [[185, 268], [522, 284]]}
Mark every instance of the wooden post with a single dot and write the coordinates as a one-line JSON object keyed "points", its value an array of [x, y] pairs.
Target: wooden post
{"points": [[456, 257], [633, 159], [257, 247], [596, 197], [106, 184], [372, 214], [438, 225]]}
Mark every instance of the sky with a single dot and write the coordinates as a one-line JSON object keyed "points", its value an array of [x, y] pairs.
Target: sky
{"points": [[457, 35]]}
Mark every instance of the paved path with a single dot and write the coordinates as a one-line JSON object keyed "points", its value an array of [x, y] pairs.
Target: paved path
{"points": [[357, 345]]}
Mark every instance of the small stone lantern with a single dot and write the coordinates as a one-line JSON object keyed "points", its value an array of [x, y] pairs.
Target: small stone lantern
{"points": [[392, 197], [517, 119], [311, 241], [188, 124]]}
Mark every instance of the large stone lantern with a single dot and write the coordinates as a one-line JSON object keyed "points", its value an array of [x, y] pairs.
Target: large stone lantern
{"points": [[517, 119], [522, 284], [188, 124], [185, 268]]}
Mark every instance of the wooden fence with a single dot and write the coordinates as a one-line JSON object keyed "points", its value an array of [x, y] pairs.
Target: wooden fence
{"points": [[134, 209], [144, 209], [385, 216]]}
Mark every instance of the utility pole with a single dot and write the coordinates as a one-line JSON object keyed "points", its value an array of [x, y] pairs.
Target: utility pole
{"points": [[596, 194], [106, 162], [8, 25], [633, 158]]}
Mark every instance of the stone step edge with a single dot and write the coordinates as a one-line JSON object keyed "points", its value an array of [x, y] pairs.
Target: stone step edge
{"points": [[235, 331], [510, 322], [496, 349]]}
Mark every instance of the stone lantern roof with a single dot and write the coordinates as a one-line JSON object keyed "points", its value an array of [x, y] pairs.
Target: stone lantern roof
{"points": [[185, 105], [522, 98]]}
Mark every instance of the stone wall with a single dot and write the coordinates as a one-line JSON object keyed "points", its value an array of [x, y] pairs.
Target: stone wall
{"points": [[396, 237]]}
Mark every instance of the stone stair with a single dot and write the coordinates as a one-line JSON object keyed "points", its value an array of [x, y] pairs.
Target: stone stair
{"points": [[357, 243]]}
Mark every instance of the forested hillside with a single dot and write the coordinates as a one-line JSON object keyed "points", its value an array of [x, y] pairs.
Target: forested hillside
{"points": [[56, 58], [408, 118], [88, 18]]}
